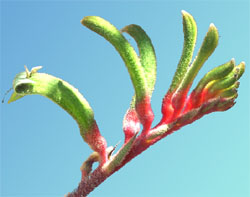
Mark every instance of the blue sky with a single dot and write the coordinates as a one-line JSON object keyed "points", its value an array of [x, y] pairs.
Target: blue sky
{"points": [[41, 148]]}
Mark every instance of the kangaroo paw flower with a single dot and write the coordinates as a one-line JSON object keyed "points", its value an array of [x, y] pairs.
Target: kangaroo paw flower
{"points": [[216, 91], [67, 97]]}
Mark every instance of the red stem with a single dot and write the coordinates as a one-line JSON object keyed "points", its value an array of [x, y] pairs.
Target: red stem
{"points": [[88, 184], [142, 143]]}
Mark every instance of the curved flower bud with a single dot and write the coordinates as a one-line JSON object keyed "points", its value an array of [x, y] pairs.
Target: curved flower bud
{"points": [[197, 94], [67, 97], [126, 51], [133, 63], [208, 46], [148, 62], [190, 34], [146, 53], [224, 87]]}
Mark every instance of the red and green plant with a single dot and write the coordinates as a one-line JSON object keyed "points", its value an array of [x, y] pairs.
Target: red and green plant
{"points": [[216, 91]]}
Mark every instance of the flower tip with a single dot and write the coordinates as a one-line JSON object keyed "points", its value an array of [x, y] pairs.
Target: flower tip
{"points": [[243, 64], [124, 29], [184, 13], [213, 27], [84, 19], [241, 67], [214, 32], [237, 84], [232, 61]]}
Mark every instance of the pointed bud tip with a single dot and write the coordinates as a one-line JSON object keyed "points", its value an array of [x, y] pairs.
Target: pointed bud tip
{"points": [[84, 19], [212, 25], [241, 66], [184, 13], [237, 84], [232, 61], [212, 29], [243, 63], [81, 21]]}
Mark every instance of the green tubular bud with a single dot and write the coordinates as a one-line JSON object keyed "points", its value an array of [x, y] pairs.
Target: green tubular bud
{"points": [[240, 69], [59, 91], [216, 73], [228, 81], [148, 62], [147, 59], [126, 51], [207, 81], [229, 92], [146, 52], [209, 44], [190, 35], [67, 97]]}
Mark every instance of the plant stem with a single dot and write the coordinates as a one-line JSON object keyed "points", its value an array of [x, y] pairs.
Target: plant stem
{"points": [[88, 184]]}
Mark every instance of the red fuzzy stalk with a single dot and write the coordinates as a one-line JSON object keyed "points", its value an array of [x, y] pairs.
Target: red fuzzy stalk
{"points": [[167, 109], [173, 105], [131, 124], [178, 102], [97, 143], [145, 113]]}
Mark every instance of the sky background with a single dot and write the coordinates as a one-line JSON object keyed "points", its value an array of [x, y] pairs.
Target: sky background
{"points": [[41, 148]]}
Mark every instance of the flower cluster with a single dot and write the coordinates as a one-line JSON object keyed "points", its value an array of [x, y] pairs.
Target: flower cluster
{"points": [[216, 91]]}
